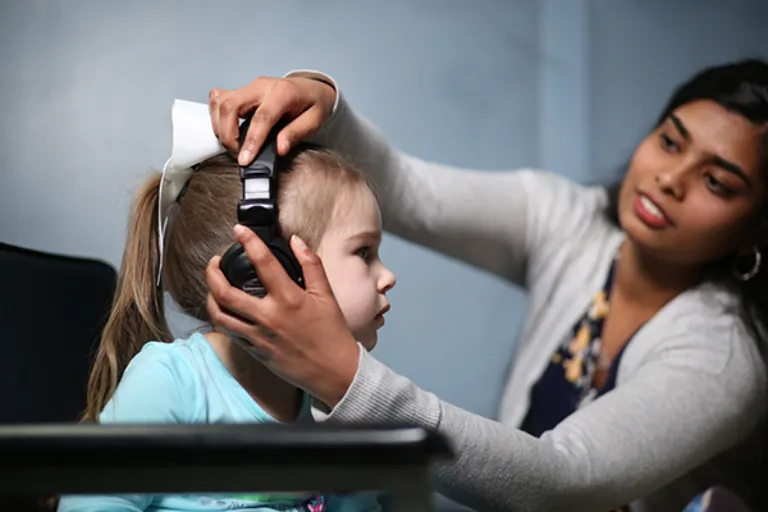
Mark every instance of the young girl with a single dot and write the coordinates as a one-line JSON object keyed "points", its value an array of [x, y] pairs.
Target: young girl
{"points": [[142, 374]]}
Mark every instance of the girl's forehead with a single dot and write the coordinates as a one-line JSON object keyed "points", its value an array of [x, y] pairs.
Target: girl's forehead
{"points": [[357, 211], [357, 199]]}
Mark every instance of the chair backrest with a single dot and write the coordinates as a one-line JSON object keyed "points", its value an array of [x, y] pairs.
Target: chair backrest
{"points": [[52, 311]]}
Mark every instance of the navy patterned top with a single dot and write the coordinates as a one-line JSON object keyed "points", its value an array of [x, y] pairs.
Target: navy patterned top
{"points": [[567, 382]]}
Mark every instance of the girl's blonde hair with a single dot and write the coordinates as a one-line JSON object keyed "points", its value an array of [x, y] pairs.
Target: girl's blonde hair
{"points": [[310, 184]]}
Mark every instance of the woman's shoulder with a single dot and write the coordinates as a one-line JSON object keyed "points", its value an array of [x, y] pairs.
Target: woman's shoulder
{"points": [[559, 188], [569, 231], [709, 311], [704, 327], [701, 364], [561, 209]]}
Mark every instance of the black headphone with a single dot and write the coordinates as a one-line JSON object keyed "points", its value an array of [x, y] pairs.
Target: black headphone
{"points": [[258, 211]]}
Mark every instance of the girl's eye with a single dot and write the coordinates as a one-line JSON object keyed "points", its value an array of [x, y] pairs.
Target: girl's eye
{"points": [[365, 253]]}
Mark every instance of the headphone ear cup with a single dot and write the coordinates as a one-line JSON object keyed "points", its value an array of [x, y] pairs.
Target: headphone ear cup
{"points": [[240, 273]]}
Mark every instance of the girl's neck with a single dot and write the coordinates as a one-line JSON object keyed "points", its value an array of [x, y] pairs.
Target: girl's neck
{"points": [[278, 398], [648, 281]]}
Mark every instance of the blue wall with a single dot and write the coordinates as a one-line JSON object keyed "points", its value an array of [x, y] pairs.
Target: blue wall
{"points": [[569, 85]]}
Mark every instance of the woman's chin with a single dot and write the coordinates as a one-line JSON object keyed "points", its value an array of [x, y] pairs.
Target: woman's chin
{"points": [[639, 232]]}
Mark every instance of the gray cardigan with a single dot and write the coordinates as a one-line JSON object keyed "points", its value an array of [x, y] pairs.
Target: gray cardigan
{"points": [[690, 385]]}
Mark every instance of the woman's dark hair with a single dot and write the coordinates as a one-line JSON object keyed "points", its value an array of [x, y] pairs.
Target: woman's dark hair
{"points": [[741, 88]]}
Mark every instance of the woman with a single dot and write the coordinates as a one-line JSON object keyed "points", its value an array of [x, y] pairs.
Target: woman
{"points": [[639, 376]]}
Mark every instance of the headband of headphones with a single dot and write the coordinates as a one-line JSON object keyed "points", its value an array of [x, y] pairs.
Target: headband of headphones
{"points": [[258, 207]]}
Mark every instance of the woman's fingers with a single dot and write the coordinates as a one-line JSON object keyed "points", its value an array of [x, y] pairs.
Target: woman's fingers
{"points": [[264, 119], [315, 279], [232, 301], [301, 335], [300, 128], [233, 105], [256, 336], [214, 97], [271, 273], [303, 102], [280, 98], [226, 319], [271, 98]]}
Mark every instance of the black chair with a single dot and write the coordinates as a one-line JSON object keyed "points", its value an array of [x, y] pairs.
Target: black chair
{"points": [[52, 310]]}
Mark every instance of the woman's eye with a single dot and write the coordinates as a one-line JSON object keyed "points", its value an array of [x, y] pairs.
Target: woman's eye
{"points": [[716, 186], [668, 144]]}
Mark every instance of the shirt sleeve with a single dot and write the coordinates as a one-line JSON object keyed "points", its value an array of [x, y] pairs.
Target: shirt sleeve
{"points": [[698, 394]]}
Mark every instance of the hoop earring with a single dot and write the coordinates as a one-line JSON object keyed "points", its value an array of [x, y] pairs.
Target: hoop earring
{"points": [[746, 276]]}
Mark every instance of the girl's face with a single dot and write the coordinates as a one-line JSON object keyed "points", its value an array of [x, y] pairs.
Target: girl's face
{"points": [[694, 186], [349, 251]]}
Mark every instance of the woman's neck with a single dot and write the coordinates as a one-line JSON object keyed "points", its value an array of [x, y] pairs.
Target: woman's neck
{"points": [[648, 281], [278, 398]]}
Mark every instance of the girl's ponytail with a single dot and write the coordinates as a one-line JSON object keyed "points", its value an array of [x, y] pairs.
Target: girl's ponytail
{"points": [[137, 314]]}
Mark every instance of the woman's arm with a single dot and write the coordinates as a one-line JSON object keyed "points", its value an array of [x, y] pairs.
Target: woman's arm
{"points": [[686, 404], [483, 218]]}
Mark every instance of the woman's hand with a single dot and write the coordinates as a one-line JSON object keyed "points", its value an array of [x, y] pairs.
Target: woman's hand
{"points": [[301, 335], [306, 102]]}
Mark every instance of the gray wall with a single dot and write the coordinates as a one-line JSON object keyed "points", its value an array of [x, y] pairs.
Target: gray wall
{"points": [[86, 89], [640, 50]]}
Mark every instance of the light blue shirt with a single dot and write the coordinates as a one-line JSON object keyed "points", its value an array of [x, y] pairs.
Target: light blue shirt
{"points": [[186, 382]]}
